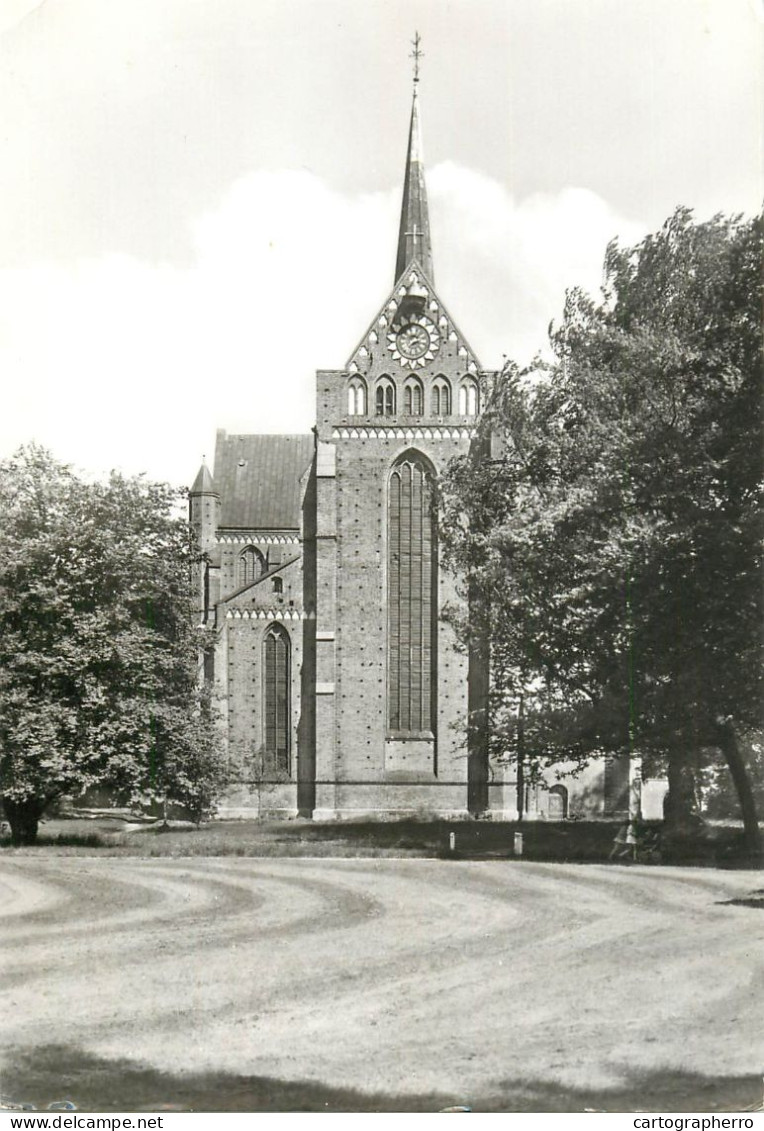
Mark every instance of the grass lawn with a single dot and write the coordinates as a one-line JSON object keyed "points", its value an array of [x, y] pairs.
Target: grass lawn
{"points": [[565, 841]]}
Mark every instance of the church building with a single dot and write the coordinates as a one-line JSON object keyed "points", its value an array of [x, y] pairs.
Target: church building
{"points": [[343, 691]]}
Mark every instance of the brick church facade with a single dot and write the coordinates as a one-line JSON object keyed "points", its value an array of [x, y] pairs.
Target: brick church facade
{"points": [[343, 690]]}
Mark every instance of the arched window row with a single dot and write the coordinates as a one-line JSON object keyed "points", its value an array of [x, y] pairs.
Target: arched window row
{"points": [[252, 565], [413, 397]]}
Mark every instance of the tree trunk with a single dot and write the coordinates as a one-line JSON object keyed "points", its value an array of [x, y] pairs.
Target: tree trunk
{"points": [[24, 819], [728, 744], [478, 727], [681, 808], [521, 759]]}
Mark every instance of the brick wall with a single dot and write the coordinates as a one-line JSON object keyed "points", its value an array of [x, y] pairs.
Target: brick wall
{"points": [[245, 620], [344, 760], [364, 770]]}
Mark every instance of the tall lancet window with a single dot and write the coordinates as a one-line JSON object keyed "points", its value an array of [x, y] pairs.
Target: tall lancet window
{"points": [[357, 397], [384, 404], [276, 698], [412, 596], [413, 397], [441, 397], [468, 398]]}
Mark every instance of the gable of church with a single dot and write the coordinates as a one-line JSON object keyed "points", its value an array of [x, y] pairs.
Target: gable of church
{"points": [[413, 303]]}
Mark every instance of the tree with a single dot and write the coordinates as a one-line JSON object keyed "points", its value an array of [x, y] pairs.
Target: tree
{"points": [[615, 541], [99, 655]]}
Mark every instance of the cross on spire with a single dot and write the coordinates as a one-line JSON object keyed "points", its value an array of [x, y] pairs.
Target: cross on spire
{"points": [[416, 54]]}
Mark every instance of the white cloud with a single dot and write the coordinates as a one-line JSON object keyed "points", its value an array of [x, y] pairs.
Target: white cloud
{"points": [[116, 362], [520, 256]]}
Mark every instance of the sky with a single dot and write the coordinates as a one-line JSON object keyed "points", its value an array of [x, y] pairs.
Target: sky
{"points": [[200, 198]]}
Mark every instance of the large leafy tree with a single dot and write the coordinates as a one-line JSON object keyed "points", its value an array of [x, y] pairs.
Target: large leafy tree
{"points": [[609, 517], [99, 655]]}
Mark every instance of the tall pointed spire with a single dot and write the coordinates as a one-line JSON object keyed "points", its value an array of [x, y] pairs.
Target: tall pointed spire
{"points": [[414, 234]]}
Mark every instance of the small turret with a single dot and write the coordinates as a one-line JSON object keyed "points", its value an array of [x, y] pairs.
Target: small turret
{"points": [[204, 484], [204, 508], [204, 517]]}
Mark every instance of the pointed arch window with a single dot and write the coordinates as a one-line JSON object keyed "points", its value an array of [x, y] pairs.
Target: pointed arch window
{"points": [[251, 565], [357, 397], [557, 805], [412, 596], [468, 398], [413, 396], [441, 397], [384, 403], [276, 676]]}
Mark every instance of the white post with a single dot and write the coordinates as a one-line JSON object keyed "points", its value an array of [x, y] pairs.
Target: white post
{"points": [[635, 786]]}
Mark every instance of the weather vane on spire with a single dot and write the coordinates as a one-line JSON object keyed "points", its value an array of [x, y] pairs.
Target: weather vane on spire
{"points": [[416, 54]]}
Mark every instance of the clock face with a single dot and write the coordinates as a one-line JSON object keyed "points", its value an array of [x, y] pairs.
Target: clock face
{"points": [[413, 341]]}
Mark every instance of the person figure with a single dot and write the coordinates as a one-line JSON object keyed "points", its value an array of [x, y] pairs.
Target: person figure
{"points": [[625, 843]]}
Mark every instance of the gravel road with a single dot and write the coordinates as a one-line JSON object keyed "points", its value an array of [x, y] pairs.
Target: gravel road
{"points": [[488, 983]]}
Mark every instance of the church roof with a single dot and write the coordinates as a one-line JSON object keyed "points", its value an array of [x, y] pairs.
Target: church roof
{"points": [[414, 233], [258, 480]]}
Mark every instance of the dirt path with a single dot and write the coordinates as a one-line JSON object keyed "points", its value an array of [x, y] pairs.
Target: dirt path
{"points": [[485, 983]]}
